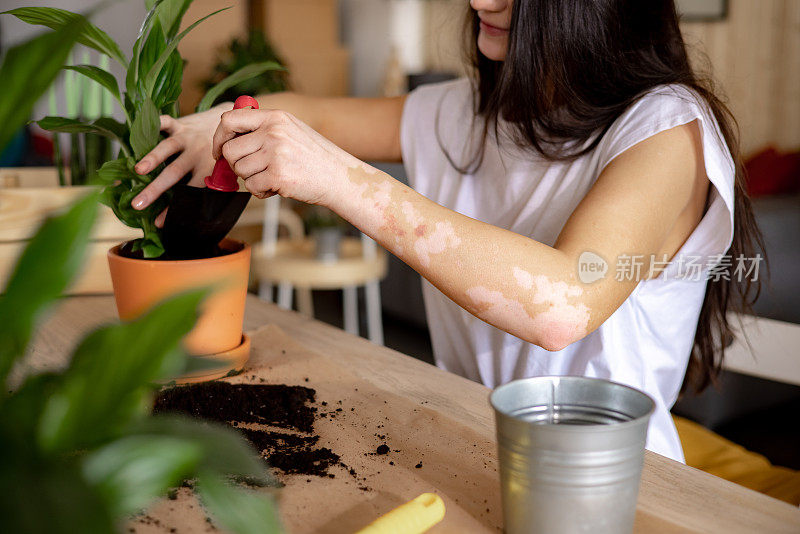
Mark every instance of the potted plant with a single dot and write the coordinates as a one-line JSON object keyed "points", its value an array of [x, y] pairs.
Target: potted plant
{"points": [[80, 450], [140, 274], [241, 53]]}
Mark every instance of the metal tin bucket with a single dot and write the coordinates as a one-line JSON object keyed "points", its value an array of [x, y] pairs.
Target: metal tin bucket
{"points": [[571, 453]]}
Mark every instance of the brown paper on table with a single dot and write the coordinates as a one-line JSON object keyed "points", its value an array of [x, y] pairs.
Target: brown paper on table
{"points": [[457, 463]]}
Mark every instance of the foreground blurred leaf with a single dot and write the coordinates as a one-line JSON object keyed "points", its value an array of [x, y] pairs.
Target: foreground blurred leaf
{"points": [[225, 451], [237, 509], [57, 19], [19, 418], [48, 264], [160, 452], [132, 471], [49, 497], [27, 71], [245, 73], [106, 385]]}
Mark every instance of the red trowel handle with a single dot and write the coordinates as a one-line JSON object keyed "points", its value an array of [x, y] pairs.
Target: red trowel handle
{"points": [[222, 177]]}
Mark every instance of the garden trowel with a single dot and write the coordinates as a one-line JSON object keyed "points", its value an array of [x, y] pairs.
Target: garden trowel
{"points": [[199, 217]]}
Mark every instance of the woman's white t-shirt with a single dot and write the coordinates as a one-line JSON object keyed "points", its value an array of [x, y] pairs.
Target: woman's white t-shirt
{"points": [[647, 341]]}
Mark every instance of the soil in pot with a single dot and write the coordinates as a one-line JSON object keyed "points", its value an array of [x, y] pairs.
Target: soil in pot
{"points": [[126, 251]]}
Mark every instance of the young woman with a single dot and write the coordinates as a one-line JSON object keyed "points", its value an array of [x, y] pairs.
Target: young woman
{"points": [[583, 139]]}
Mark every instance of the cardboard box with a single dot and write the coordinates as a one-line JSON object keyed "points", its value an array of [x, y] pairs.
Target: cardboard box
{"points": [[298, 23], [319, 72]]}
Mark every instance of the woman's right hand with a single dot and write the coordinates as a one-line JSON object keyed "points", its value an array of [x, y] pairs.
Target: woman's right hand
{"points": [[190, 136]]}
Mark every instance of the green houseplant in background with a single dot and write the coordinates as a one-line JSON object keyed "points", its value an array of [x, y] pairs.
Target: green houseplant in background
{"points": [[152, 86], [79, 450], [86, 101], [240, 54]]}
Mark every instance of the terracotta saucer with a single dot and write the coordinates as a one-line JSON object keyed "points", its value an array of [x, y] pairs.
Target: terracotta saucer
{"points": [[223, 363]]}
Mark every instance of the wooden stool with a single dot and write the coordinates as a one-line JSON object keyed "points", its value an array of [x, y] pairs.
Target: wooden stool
{"points": [[290, 263]]}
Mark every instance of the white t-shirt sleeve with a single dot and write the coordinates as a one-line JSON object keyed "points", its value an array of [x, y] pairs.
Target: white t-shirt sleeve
{"points": [[665, 108], [433, 116]]}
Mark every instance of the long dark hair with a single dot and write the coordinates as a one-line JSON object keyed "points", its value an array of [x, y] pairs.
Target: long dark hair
{"points": [[572, 68]]}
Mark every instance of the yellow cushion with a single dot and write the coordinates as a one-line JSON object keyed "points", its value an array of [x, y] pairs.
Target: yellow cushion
{"points": [[714, 454]]}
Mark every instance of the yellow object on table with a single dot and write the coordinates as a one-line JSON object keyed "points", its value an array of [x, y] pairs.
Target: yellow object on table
{"points": [[414, 517]]}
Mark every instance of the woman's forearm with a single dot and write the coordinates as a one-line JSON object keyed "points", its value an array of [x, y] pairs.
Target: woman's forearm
{"points": [[367, 128], [512, 282], [301, 106]]}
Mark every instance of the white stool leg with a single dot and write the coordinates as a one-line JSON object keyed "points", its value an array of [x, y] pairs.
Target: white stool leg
{"points": [[305, 304], [350, 310], [374, 322], [265, 291], [285, 295]]}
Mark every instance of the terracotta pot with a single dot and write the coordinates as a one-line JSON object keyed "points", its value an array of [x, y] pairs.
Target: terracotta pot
{"points": [[139, 284]]}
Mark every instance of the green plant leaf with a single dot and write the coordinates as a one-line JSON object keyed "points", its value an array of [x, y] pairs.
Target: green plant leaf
{"points": [[225, 451], [110, 375], [168, 84], [105, 126], [48, 264], [145, 129], [112, 197], [49, 496], [116, 170], [144, 32], [170, 13], [89, 34], [245, 73], [152, 248], [104, 78], [118, 197], [150, 80], [237, 509], [19, 416], [132, 471], [27, 71]]}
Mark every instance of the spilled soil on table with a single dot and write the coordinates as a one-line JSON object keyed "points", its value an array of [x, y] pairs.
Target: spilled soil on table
{"points": [[288, 443]]}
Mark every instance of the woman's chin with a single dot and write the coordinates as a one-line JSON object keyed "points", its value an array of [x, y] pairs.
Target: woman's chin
{"points": [[493, 48]]}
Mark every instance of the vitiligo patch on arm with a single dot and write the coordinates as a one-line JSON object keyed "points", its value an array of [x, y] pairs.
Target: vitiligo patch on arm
{"points": [[408, 229], [537, 305]]}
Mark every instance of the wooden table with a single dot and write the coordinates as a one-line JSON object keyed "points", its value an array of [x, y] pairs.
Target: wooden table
{"points": [[673, 497]]}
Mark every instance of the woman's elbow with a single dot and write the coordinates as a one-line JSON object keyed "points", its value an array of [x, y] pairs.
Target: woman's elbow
{"points": [[556, 335]]}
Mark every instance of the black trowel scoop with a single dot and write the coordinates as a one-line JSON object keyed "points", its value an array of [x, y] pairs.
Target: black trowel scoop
{"points": [[199, 217]]}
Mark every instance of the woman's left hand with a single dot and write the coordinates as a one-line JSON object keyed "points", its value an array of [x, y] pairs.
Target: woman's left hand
{"points": [[276, 153]]}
